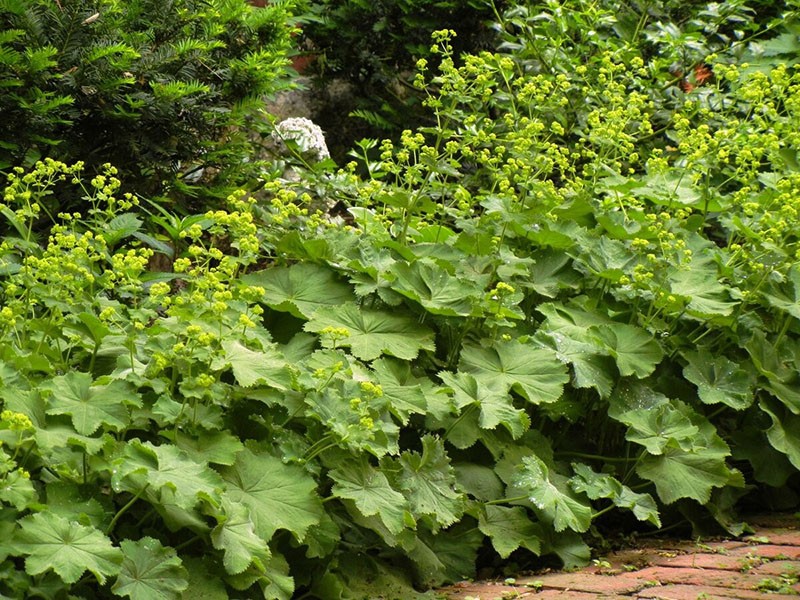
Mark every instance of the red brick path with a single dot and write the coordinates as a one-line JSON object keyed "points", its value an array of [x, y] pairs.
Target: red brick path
{"points": [[763, 565]]}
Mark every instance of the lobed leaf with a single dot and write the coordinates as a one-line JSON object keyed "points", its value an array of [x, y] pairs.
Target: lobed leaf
{"points": [[719, 380], [67, 547], [301, 288], [535, 373], [550, 494], [508, 528], [236, 536], [373, 333], [635, 351], [428, 482], [145, 467], [496, 407], [371, 492], [278, 496], [150, 571], [679, 474], [251, 366], [90, 406], [603, 485]]}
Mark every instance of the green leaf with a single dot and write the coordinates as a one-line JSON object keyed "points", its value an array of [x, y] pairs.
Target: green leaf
{"points": [[120, 227], [277, 583], [550, 493], [403, 392], [90, 406], [360, 576], [150, 571], [279, 496], [69, 549], [634, 350], [17, 489], [603, 485], [783, 44], [371, 492], [496, 407], [236, 536], [569, 331], [479, 481], [218, 447], [428, 482], [655, 428], [784, 434], [509, 527], [251, 367], [718, 379], [204, 580], [589, 360], [680, 474], [86, 504], [707, 296], [606, 257], [449, 555], [300, 289], [144, 466], [567, 545], [551, 272], [786, 297], [373, 333], [770, 466], [89, 326], [438, 291], [535, 373]]}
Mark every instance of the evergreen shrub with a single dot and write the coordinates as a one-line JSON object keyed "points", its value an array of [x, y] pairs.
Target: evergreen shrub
{"points": [[160, 88]]}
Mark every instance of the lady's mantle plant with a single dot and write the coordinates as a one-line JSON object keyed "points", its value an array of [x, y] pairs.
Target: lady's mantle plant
{"points": [[558, 303]]}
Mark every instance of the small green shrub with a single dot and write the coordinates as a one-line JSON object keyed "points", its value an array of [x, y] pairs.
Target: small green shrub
{"points": [[159, 88]]}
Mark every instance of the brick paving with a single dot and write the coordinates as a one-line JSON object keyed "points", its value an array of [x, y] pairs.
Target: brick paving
{"points": [[763, 565]]}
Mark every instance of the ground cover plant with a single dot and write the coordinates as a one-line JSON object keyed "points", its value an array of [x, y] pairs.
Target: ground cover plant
{"points": [[572, 301]]}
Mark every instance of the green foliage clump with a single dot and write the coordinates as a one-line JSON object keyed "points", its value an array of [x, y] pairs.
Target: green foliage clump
{"points": [[572, 300], [159, 88]]}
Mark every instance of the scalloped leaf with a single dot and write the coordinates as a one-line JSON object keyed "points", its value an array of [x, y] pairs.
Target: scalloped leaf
{"points": [[373, 333], [301, 288], [150, 571], [67, 547], [535, 373]]}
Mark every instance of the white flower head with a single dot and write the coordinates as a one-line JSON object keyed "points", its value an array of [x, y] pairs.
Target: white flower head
{"points": [[306, 134]]}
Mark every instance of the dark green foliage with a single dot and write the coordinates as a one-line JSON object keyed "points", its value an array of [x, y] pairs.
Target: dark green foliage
{"points": [[375, 44], [156, 87]]}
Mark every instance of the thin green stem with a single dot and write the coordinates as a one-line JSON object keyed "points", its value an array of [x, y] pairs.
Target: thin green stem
{"points": [[603, 511], [506, 500], [125, 509], [622, 459]]}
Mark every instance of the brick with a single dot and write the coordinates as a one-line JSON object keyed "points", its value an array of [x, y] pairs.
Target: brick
{"points": [[561, 595], [705, 592], [776, 568], [779, 537], [768, 551], [707, 577], [484, 591], [623, 583], [723, 562]]}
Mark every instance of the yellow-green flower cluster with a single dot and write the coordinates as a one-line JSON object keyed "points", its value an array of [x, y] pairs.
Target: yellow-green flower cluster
{"points": [[15, 421]]}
